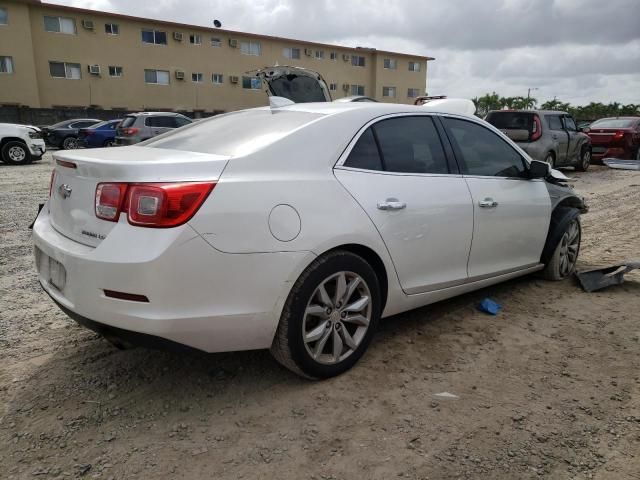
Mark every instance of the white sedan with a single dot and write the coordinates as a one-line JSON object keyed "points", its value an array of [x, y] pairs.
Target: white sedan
{"points": [[296, 228]]}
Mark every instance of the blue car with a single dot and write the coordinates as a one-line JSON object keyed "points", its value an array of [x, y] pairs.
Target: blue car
{"points": [[101, 134]]}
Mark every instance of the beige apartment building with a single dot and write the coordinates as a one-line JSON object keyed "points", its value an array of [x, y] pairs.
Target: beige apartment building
{"points": [[54, 56]]}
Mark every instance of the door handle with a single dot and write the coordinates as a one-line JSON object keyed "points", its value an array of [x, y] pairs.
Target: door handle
{"points": [[488, 203], [391, 204]]}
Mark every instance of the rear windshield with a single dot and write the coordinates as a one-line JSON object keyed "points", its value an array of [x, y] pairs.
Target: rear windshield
{"points": [[298, 88], [613, 123], [511, 120], [234, 133], [127, 121]]}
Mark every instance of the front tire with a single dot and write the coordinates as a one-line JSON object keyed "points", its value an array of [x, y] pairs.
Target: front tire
{"points": [[584, 161], [70, 143], [563, 260], [16, 153], [330, 316]]}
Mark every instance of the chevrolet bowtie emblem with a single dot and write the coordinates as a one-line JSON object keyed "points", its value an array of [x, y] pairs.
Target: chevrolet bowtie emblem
{"points": [[65, 190]]}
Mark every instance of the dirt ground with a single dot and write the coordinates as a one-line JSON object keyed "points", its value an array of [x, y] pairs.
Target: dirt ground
{"points": [[549, 388]]}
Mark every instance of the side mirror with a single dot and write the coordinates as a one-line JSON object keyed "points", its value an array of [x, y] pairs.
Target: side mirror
{"points": [[538, 169]]}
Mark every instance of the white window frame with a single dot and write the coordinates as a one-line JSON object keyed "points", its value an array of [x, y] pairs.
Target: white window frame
{"points": [[391, 62], [288, 53], [357, 62], [111, 25], [7, 60], [388, 91], [319, 54], [154, 37], [156, 72], [59, 19], [333, 86], [199, 77], [216, 42], [218, 76], [193, 37], [414, 66], [333, 56], [117, 69], [250, 47], [67, 69], [6, 16], [355, 90]]}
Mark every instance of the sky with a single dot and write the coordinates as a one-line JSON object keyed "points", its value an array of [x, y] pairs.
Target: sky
{"points": [[576, 50]]}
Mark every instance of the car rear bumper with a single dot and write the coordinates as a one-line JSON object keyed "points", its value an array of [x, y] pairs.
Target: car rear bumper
{"points": [[197, 296], [127, 140], [599, 152]]}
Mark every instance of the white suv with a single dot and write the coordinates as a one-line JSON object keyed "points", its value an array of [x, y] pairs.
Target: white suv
{"points": [[20, 144]]}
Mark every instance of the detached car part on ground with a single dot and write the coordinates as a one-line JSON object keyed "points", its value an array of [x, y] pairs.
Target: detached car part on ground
{"points": [[299, 233], [20, 144], [550, 136]]}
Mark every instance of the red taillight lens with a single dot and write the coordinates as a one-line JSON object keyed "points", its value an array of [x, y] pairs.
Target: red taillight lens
{"points": [[618, 135], [51, 180], [536, 133], [109, 200], [158, 205], [130, 131]]}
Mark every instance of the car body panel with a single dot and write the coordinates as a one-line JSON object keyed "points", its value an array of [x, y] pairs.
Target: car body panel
{"points": [[30, 135], [100, 135]]}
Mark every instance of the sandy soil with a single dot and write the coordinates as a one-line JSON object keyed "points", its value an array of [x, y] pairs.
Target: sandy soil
{"points": [[549, 388]]}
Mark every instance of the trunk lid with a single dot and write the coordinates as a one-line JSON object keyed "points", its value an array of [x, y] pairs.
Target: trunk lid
{"points": [[607, 136], [294, 83], [72, 201]]}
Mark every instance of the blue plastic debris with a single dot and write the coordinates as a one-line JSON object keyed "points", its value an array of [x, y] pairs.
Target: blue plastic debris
{"points": [[489, 306]]}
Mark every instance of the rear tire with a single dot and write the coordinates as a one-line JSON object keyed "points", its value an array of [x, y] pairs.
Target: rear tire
{"points": [[550, 159], [562, 262], [70, 143], [584, 161], [16, 153], [108, 143], [330, 316]]}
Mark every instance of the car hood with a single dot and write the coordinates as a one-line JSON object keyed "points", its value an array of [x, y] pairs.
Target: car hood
{"points": [[20, 127], [294, 83]]}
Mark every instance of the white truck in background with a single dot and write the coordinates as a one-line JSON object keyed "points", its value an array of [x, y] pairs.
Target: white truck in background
{"points": [[20, 144]]}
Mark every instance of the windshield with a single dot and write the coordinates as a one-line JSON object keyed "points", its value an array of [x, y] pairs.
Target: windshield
{"points": [[234, 134], [613, 123], [511, 120], [297, 88]]}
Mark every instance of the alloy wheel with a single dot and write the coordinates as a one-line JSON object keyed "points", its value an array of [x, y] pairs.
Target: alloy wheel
{"points": [[586, 159], [17, 154], [70, 143], [569, 246], [337, 317]]}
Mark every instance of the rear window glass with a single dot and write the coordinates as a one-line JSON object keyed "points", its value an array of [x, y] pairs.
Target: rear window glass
{"points": [[127, 122], [613, 123], [234, 133], [511, 120]]}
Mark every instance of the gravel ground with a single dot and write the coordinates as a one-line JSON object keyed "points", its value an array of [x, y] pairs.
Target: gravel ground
{"points": [[549, 388]]}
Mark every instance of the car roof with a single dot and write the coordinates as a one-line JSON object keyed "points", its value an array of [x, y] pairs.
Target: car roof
{"points": [[539, 112], [151, 114], [330, 108]]}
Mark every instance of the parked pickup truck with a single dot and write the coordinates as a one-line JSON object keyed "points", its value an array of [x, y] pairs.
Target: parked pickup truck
{"points": [[545, 135], [20, 144]]}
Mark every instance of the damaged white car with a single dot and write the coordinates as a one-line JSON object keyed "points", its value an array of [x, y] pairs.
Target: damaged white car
{"points": [[300, 233]]}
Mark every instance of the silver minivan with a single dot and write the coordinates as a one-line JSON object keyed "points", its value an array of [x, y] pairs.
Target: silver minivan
{"points": [[138, 127]]}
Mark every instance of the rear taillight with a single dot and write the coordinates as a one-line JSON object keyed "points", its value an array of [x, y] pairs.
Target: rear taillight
{"points": [[130, 131], [618, 135], [51, 180], [157, 205], [536, 133]]}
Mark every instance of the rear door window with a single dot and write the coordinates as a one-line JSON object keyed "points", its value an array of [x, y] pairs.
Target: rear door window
{"points": [[160, 122], [365, 153], [481, 152], [181, 122], [554, 121], [127, 122]]}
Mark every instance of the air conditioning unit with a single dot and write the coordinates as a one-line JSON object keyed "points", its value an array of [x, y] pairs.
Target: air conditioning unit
{"points": [[308, 52], [177, 36], [179, 75], [234, 79], [345, 87], [94, 69], [88, 24], [345, 57], [233, 43]]}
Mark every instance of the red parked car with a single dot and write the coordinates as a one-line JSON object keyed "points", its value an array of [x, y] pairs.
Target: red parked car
{"points": [[617, 137]]}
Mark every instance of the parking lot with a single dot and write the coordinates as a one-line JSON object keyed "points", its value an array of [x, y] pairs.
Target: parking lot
{"points": [[550, 387]]}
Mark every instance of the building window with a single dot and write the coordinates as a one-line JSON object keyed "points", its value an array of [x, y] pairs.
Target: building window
{"points": [[217, 78], [414, 66], [216, 42], [413, 92], [390, 63], [157, 77], [251, 83], [4, 16], [389, 92], [197, 77], [115, 71], [291, 53], [357, 61], [112, 29], [6, 64], [333, 86], [65, 70], [357, 89], [320, 54], [60, 25], [333, 56], [195, 39], [154, 36], [250, 48]]}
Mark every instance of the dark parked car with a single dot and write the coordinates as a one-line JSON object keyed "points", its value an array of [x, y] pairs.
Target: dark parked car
{"points": [[65, 134], [615, 138], [101, 134], [545, 135]]}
